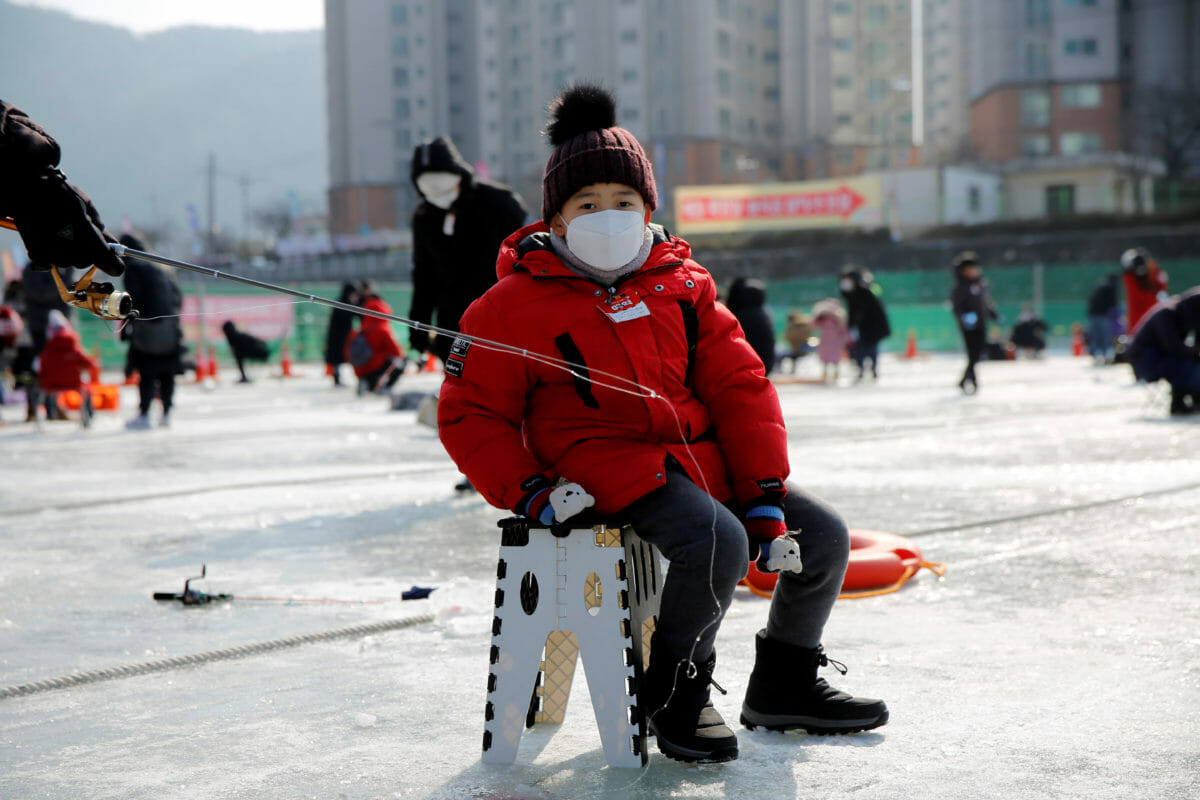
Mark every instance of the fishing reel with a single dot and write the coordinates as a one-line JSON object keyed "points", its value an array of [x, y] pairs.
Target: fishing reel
{"points": [[191, 597], [100, 299]]}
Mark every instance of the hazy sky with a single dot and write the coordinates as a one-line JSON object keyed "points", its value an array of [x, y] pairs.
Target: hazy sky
{"points": [[145, 16]]}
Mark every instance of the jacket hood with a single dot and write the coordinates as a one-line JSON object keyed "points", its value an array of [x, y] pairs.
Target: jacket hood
{"points": [[747, 293], [440, 155], [529, 250]]}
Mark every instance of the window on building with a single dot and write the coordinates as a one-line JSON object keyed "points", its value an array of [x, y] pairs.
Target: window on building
{"points": [[843, 44], [724, 83], [876, 16], [843, 82], [724, 44], [1080, 95], [1037, 13], [1035, 108], [876, 90], [843, 119], [1060, 200], [400, 46], [1080, 3], [400, 77], [401, 108], [843, 8], [725, 121], [629, 36], [1080, 47], [877, 52], [974, 199], [399, 14], [1037, 60], [1036, 144], [1077, 143]]}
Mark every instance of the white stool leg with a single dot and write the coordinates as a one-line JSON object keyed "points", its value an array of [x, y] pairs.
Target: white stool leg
{"points": [[525, 613]]}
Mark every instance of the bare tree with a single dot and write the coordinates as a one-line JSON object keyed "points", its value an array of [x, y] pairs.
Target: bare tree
{"points": [[1166, 125]]}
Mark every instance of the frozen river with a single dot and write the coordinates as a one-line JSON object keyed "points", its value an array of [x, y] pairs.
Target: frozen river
{"points": [[1059, 657]]}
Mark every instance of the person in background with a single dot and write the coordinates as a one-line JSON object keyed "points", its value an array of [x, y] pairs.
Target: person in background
{"points": [[973, 311], [866, 318], [61, 363], [1145, 284], [457, 229], [748, 302], [1029, 333], [56, 220], [829, 321], [1103, 309], [341, 323], [155, 337], [798, 334], [373, 351], [695, 459], [1166, 346], [244, 347]]}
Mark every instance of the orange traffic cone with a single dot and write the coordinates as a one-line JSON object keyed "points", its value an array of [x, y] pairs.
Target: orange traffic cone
{"points": [[212, 361], [201, 364], [285, 360], [910, 348], [431, 363], [1076, 339]]}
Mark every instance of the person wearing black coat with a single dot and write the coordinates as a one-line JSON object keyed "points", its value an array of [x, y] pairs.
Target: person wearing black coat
{"points": [[244, 347], [866, 318], [1102, 310], [341, 322], [748, 301], [1159, 349], [155, 338], [973, 310], [457, 230], [56, 220]]}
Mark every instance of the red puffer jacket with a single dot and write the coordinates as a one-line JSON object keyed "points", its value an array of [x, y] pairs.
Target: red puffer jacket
{"points": [[661, 371], [63, 359], [378, 333]]}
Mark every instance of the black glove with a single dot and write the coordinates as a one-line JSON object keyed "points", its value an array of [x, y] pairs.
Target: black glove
{"points": [[61, 227], [418, 339]]}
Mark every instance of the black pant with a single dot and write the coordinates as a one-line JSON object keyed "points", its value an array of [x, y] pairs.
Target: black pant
{"points": [[976, 342], [149, 385]]}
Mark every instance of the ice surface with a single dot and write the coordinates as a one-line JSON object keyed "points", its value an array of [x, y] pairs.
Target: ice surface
{"points": [[1058, 658]]}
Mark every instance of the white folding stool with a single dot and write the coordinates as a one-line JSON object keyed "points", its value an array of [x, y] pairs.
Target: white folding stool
{"points": [[594, 593]]}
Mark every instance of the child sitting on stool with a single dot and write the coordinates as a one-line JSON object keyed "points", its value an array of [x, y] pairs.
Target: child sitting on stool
{"points": [[665, 417]]}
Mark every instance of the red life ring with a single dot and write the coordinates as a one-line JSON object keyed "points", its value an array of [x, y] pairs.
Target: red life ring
{"points": [[878, 560]]}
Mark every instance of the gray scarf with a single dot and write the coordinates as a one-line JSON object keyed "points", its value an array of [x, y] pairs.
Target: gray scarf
{"points": [[604, 278]]}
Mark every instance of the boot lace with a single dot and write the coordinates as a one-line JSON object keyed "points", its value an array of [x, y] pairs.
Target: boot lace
{"points": [[825, 661]]}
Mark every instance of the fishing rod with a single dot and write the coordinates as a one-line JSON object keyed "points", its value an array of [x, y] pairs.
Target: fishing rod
{"points": [[121, 306], [194, 597]]}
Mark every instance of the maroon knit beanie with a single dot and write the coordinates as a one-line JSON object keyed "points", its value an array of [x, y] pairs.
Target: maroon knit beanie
{"points": [[590, 148]]}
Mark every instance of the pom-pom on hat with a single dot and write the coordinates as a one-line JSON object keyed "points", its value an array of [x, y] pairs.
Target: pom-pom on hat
{"points": [[589, 147]]}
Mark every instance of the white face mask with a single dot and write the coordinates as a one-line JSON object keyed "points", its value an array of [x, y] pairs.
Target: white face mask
{"points": [[439, 188], [606, 240]]}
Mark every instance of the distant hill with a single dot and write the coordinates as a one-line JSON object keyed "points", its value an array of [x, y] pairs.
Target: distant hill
{"points": [[137, 115]]}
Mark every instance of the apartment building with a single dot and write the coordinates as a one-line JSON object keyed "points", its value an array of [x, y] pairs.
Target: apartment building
{"points": [[1060, 97], [702, 83]]}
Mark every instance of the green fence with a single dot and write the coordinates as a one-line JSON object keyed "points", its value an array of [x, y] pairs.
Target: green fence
{"points": [[915, 300], [919, 300]]}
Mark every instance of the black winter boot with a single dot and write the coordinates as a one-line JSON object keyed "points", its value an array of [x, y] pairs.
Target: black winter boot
{"points": [[679, 714], [1182, 403], [785, 693]]}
